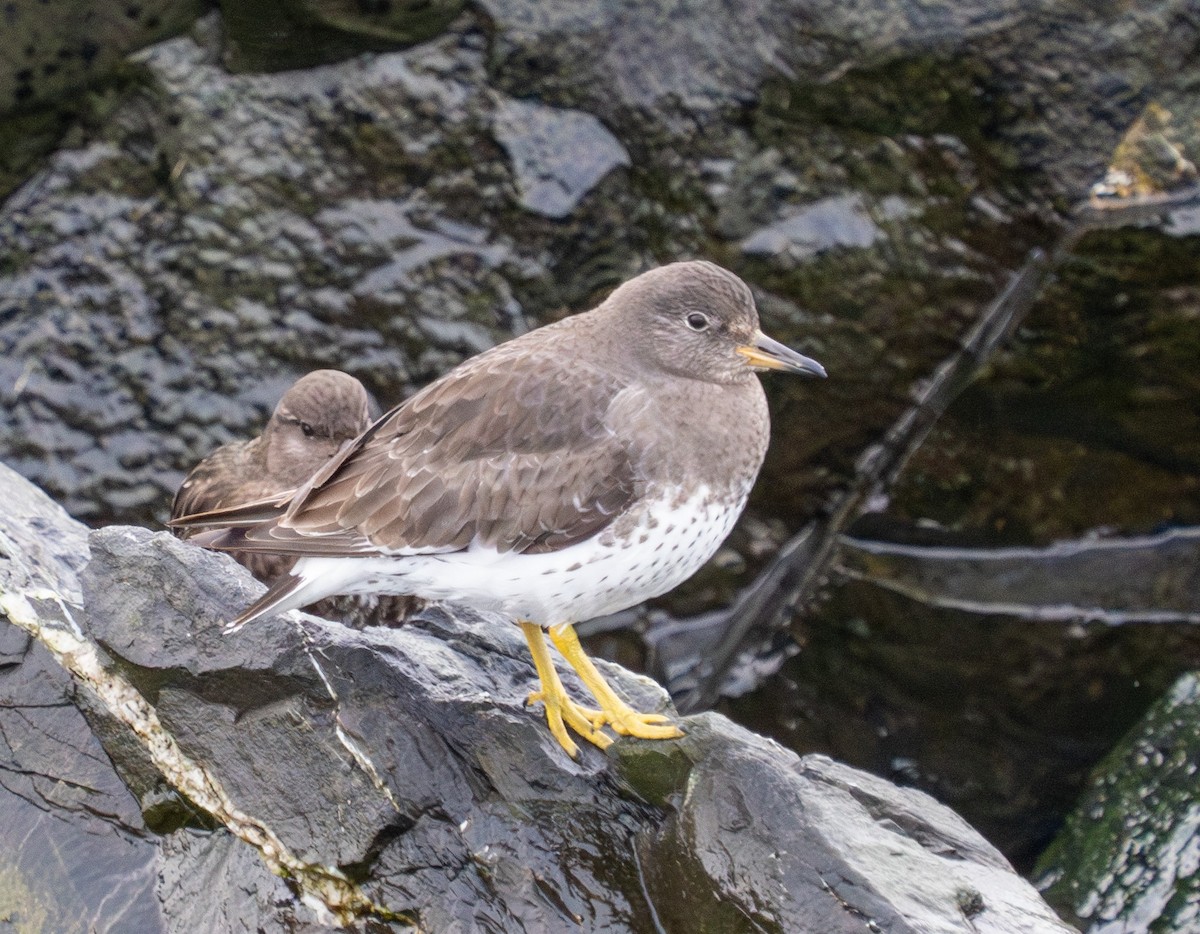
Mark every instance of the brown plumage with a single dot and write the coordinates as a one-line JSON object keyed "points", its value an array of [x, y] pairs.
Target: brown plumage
{"points": [[314, 419], [574, 471]]}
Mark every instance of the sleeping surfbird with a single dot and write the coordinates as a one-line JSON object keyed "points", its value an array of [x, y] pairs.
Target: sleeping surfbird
{"points": [[316, 416], [569, 473]]}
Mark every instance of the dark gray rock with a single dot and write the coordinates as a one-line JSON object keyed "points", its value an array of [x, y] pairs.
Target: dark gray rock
{"points": [[558, 155], [613, 58], [212, 881], [75, 841], [274, 35], [399, 770], [995, 679], [215, 235], [840, 221], [1119, 581], [168, 319]]}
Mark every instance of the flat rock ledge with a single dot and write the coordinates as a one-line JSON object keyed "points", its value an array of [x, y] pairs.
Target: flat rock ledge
{"points": [[299, 775]]}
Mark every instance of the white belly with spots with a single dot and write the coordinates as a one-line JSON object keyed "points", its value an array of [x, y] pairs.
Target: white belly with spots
{"points": [[672, 540]]}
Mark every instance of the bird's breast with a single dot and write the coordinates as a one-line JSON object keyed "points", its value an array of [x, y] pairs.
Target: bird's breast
{"points": [[708, 435]]}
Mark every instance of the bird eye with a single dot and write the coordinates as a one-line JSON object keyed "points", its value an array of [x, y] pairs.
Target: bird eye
{"points": [[307, 429], [697, 321]]}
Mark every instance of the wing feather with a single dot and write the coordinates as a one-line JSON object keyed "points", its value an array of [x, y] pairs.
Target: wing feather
{"points": [[516, 458]]}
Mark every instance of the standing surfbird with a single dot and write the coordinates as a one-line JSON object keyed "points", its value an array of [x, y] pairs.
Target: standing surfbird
{"points": [[316, 416], [572, 472]]}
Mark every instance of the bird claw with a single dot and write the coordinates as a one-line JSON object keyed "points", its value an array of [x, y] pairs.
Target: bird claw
{"points": [[563, 712], [628, 722], [588, 722]]}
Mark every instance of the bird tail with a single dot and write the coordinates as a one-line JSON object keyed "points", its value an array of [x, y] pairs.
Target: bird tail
{"points": [[280, 598], [310, 580], [245, 514]]}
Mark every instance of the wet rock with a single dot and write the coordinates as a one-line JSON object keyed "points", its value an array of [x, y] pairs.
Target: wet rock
{"points": [[152, 316], [558, 155], [1084, 420], [1126, 859], [841, 221], [76, 850], [1118, 581], [214, 236], [273, 35], [993, 678], [196, 865], [701, 64], [397, 774], [73, 834], [732, 786]]}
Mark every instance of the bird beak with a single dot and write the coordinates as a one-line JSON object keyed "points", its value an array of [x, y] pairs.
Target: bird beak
{"points": [[769, 354]]}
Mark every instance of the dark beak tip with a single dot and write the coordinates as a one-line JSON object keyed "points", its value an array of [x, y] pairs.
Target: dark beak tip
{"points": [[784, 358]]}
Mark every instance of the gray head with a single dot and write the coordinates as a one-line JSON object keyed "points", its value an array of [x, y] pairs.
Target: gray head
{"points": [[702, 323], [314, 418]]}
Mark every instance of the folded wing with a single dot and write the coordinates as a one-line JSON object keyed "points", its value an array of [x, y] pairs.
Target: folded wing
{"points": [[490, 455]]}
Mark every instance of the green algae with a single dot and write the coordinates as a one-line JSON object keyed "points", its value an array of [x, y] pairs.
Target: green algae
{"points": [[1127, 852]]}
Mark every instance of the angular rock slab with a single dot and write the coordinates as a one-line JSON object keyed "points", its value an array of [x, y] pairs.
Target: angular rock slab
{"points": [[73, 842], [397, 775]]}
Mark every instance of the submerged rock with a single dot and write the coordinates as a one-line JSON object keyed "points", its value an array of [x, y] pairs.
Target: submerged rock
{"points": [[396, 775]]}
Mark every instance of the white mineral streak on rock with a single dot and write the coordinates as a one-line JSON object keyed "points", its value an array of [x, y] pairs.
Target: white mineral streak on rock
{"points": [[357, 753], [332, 897]]}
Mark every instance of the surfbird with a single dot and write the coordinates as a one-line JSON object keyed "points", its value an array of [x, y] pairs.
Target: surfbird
{"points": [[315, 417], [572, 472]]}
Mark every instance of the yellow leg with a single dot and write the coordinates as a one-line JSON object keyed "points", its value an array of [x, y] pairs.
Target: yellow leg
{"points": [[560, 707], [613, 711]]}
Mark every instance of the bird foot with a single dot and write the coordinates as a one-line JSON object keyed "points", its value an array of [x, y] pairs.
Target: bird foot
{"points": [[562, 712], [614, 712], [629, 722]]}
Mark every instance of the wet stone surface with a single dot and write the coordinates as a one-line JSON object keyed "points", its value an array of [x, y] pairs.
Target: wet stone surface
{"points": [[217, 235], [404, 763], [71, 826], [1086, 420], [875, 173], [54, 50], [900, 672]]}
